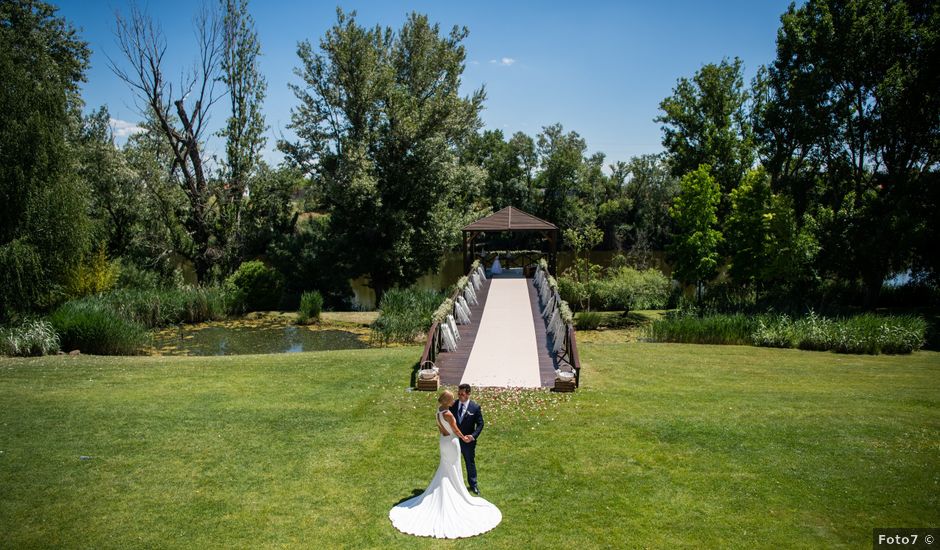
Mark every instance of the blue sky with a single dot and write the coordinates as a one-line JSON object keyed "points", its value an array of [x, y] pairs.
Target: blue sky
{"points": [[598, 67]]}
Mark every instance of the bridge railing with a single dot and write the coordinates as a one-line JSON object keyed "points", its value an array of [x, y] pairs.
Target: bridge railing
{"points": [[450, 306], [559, 322]]}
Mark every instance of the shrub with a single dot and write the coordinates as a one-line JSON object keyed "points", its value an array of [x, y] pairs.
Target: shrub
{"points": [[913, 294], [405, 314], [628, 289], [253, 287], [727, 297], [92, 275], [93, 327], [572, 291], [35, 337], [623, 288], [311, 304], [588, 320]]}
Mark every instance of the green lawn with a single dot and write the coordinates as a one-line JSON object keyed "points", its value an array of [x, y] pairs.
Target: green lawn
{"points": [[665, 445]]}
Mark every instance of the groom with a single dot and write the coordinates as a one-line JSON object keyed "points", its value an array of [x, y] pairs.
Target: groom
{"points": [[469, 417]]}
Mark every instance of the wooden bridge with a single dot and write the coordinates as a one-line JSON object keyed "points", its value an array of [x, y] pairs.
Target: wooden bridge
{"points": [[515, 335]]}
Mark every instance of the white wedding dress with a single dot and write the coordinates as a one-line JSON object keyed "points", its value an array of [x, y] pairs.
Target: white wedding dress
{"points": [[446, 510]]}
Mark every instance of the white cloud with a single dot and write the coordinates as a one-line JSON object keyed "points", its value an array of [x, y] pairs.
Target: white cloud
{"points": [[506, 61], [474, 62], [123, 128]]}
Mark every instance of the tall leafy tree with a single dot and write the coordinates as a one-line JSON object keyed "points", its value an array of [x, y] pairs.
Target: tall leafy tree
{"points": [[705, 121], [848, 118], [115, 199], [164, 206], [522, 150], [378, 125], [506, 164], [615, 214], [43, 203], [748, 226], [244, 130], [651, 189], [695, 212], [269, 211], [561, 180]]}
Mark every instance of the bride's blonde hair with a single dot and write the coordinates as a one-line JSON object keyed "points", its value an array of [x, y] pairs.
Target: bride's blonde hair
{"points": [[445, 397]]}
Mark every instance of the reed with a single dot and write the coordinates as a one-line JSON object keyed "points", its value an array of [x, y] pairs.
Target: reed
{"points": [[405, 314], [861, 334]]}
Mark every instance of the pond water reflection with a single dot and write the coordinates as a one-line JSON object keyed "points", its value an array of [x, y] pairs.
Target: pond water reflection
{"points": [[239, 337]]}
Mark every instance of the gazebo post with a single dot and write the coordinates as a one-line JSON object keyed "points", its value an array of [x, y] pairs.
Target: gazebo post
{"points": [[466, 253], [553, 251]]}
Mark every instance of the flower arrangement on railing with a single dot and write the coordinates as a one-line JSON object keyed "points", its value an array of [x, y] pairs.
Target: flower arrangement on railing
{"points": [[556, 312], [456, 309], [566, 315], [442, 311]]}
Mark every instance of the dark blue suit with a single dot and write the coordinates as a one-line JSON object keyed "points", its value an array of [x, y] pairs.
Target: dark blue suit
{"points": [[472, 424]]}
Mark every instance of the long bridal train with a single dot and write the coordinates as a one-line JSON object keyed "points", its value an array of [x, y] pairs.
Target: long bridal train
{"points": [[446, 510]]}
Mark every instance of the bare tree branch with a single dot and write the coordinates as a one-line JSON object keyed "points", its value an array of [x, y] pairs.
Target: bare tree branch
{"points": [[143, 46]]}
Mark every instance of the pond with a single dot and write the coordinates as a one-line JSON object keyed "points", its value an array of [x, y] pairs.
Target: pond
{"points": [[257, 336]]}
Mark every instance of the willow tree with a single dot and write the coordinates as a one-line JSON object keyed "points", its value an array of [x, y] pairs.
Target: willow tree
{"points": [[43, 220], [378, 125]]}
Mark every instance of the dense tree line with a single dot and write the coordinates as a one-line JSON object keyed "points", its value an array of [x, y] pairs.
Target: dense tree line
{"points": [[820, 173], [844, 128]]}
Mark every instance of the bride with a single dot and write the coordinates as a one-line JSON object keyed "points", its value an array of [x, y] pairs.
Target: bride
{"points": [[446, 510]]}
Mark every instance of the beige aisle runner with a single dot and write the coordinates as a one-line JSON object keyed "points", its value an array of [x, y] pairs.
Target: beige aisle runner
{"points": [[505, 352]]}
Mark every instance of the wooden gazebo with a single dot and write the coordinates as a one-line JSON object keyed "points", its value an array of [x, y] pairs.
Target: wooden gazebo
{"points": [[513, 220]]}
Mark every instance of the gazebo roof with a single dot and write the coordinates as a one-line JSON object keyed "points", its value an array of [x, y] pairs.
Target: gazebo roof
{"points": [[510, 219]]}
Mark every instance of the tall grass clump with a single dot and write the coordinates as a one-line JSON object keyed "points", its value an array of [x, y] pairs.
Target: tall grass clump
{"points": [[862, 334], [93, 327], [713, 329], [311, 305], [154, 308], [588, 320], [774, 331], [405, 314], [31, 338], [874, 334]]}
